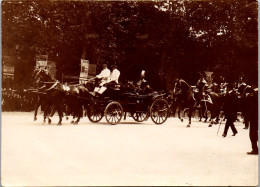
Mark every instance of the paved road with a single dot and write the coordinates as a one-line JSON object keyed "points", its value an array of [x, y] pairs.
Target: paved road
{"points": [[125, 154]]}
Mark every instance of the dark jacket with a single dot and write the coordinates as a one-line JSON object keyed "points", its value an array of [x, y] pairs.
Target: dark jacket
{"points": [[230, 107]]}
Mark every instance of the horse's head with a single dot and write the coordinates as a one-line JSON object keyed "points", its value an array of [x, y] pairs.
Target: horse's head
{"points": [[42, 75], [177, 87]]}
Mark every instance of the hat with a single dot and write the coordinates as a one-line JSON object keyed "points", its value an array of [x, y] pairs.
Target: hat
{"points": [[104, 65]]}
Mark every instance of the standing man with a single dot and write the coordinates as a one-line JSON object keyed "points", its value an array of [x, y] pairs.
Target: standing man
{"points": [[242, 91], [253, 118], [102, 78], [230, 111]]}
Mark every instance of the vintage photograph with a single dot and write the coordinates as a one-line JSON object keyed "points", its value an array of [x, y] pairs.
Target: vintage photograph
{"points": [[129, 93]]}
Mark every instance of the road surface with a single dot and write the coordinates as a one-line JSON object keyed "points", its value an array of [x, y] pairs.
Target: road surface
{"points": [[130, 153]]}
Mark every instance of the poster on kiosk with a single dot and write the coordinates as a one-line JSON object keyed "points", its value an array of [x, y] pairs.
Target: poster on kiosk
{"points": [[83, 71]]}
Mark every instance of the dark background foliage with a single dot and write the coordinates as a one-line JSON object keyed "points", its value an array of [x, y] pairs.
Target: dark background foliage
{"points": [[167, 39]]}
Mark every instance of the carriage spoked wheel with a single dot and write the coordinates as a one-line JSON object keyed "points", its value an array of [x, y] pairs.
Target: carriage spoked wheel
{"points": [[159, 111], [95, 114], [114, 113], [140, 116]]}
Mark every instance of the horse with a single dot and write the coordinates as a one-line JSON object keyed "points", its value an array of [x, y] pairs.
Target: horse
{"points": [[77, 97], [40, 92], [185, 99], [54, 93], [184, 95]]}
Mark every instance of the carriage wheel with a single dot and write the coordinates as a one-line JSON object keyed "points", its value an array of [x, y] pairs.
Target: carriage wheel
{"points": [[114, 113], [159, 111], [95, 114], [140, 116]]}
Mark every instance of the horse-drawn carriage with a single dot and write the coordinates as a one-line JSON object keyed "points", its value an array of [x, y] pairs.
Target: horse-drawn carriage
{"points": [[113, 104], [118, 103]]}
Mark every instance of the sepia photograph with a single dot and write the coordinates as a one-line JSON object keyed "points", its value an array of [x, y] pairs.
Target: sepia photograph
{"points": [[129, 93]]}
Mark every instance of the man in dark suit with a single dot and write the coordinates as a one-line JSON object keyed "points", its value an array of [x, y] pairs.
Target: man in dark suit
{"points": [[230, 111], [253, 119]]}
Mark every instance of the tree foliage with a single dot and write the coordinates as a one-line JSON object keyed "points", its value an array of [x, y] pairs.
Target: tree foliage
{"points": [[166, 38]]}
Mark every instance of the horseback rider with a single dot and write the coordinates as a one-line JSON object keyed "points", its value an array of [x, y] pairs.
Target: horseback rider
{"points": [[201, 88], [201, 82]]}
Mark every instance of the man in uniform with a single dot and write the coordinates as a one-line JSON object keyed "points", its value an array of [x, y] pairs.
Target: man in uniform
{"points": [[142, 82], [103, 78], [201, 84]]}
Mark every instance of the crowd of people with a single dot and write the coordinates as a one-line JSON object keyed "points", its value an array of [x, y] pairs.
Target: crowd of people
{"points": [[13, 101]]}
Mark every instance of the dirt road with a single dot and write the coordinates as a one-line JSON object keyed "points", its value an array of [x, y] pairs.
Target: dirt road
{"points": [[36, 154]]}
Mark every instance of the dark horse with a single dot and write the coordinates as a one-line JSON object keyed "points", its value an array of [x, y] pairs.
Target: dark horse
{"points": [[52, 94], [77, 97], [73, 96], [185, 98], [40, 92]]}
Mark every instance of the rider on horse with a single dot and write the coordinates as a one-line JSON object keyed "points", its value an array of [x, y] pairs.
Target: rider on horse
{"points": [[201, 87]]}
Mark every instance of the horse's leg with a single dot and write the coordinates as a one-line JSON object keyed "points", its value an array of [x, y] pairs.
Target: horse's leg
{"points": [[45, 112], [206, 116], [212, 117], [179, 114], [217, 117], [60, 113], [174, 110], [79, 115], [53, 110], [189, 116], [74, 112], [38, 104], [200, 113], [125, 115], [45, 109]]}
